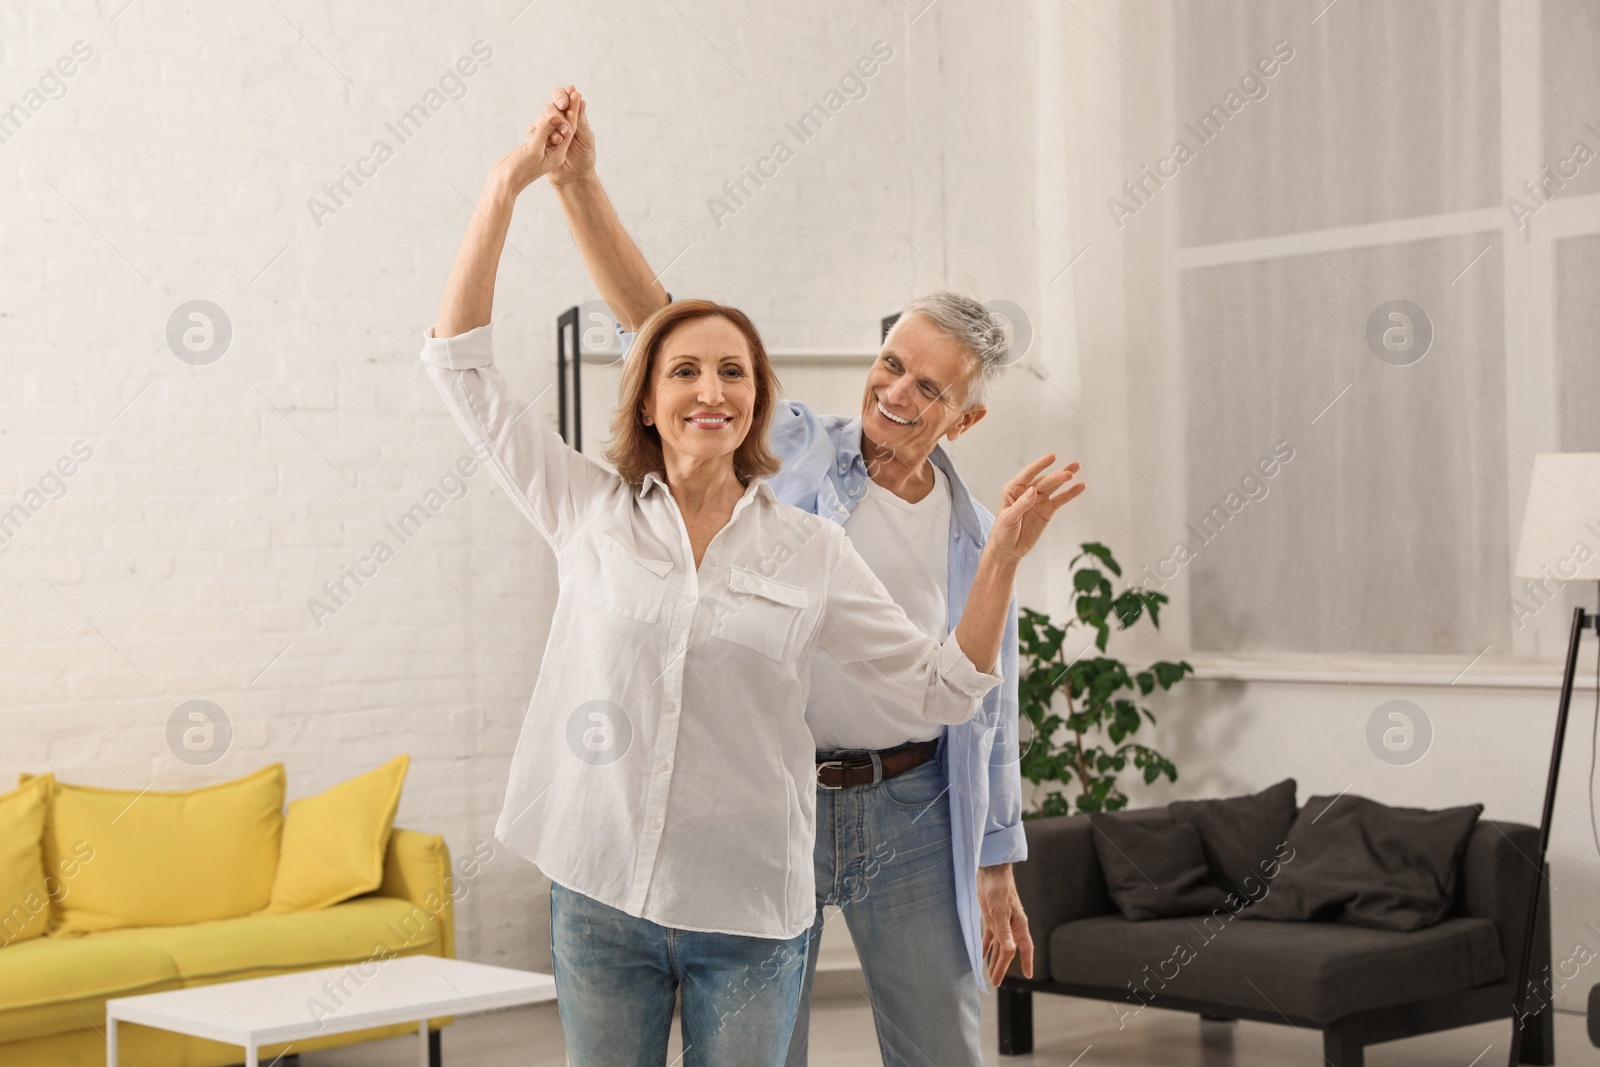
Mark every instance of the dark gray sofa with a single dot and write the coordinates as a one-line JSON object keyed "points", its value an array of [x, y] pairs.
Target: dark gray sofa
{"points": [[1358, 986]]}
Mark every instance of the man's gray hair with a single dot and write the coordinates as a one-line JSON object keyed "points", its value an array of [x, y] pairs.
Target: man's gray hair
{"points": [[965, 320]]}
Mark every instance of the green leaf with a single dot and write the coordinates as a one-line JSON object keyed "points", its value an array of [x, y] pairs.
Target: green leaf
{"points": [[1129, 606], [1169, 674], [1152, 604], [1100, 552]]}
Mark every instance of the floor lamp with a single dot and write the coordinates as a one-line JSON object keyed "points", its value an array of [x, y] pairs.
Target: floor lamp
{"points": [[1560, 540]]}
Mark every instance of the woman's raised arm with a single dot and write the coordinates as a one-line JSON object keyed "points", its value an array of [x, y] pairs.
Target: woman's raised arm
{"points": [[551, 484], [469, 295]]}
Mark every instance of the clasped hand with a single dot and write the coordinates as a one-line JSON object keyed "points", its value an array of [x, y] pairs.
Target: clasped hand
{"points": [[559, 139]]}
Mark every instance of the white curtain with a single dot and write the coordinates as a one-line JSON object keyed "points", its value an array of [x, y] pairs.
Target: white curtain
{"points": [[1367, 167]]}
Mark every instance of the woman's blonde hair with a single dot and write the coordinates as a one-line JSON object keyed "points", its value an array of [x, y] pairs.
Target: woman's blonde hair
{"points": [[635, 448]]}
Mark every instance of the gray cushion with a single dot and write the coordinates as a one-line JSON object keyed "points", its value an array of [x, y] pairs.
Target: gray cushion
{"points": [[1358, 861], [1241, 836], [1311, 971], [1154, 870]]}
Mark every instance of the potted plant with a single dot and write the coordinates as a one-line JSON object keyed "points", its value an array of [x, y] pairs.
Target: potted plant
{"points": [[1085, 713]]}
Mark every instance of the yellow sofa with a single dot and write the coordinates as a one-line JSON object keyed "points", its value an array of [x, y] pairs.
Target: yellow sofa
{"points": [[53, 991], [54, 988]]}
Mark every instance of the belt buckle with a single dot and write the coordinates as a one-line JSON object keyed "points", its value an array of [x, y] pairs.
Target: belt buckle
{"points": [[839, 763]]}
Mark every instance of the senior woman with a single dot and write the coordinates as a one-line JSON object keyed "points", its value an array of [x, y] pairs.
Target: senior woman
{"points": [[664, 776]]}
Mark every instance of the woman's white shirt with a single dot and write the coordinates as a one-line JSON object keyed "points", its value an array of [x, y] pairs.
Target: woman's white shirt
{"points": [[664, 766]]}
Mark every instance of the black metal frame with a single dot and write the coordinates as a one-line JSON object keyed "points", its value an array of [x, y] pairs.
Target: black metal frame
{"points": [[570, 359], [1581, 621]]}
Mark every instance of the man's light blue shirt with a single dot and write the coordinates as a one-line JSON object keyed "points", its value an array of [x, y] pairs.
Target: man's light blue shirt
{"points": [[824, 473]]}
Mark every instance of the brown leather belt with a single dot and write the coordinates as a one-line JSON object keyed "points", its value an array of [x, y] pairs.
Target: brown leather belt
{"points": [[857, 768]]}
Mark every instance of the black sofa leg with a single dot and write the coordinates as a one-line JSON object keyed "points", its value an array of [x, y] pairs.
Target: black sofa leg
{"points": [[1342, 1050], [1539, 1039], [1016, 1020], [435, 1049]]}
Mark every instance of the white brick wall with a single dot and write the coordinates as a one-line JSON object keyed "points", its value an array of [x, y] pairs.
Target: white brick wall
{"points": [[178, 561]]}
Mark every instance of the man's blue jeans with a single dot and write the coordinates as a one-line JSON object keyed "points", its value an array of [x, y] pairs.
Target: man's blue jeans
{"points": [[883, 856], [617, 977]]}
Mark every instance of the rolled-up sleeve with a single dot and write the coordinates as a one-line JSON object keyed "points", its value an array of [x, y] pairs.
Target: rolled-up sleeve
{"points": [[1003, 839], [874, 643], [553, 485]]}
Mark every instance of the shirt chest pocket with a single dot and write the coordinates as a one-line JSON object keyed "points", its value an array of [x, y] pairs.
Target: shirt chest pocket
{"points": [[759, 614], [627, 584]]}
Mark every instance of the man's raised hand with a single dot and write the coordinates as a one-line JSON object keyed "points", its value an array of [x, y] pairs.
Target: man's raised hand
{"points": [[1029, 502]]}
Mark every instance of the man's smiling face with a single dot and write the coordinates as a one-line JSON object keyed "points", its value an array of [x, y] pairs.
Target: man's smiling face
{"points": [[916, 390]]}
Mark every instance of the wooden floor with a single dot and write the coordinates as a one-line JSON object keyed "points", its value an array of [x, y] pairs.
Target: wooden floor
{"points": [[1067, 1033]]}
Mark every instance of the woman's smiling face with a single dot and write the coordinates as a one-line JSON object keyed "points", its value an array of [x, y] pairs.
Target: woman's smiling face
{"points": [[702, 394]]}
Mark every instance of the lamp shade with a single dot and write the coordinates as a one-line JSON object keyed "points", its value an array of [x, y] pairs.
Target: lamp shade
{"points": [[1561, 524]]}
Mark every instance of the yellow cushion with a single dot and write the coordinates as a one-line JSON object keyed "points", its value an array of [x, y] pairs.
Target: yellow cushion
{"points": [[161, 859], [24, 891], [417, 868], [334, 842], [50, 985], [228, 950]]}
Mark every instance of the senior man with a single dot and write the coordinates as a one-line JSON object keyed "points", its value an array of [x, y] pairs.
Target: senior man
{"points": [[917, 824]]}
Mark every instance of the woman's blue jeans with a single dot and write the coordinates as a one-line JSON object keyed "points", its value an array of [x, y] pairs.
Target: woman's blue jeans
{"points": [[617, 978]]}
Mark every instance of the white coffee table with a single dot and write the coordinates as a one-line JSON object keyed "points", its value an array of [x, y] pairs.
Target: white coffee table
{"points": [[284, 1007]]}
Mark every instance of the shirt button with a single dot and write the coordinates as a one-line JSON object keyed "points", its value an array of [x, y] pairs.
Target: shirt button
{"points": [[655, 824], [664, 765], [854, 489], [678, 647], [688, 598], [671, 708]]}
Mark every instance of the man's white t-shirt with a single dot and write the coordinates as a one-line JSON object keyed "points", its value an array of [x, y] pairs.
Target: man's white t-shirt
{"points": [[908, 548]]}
